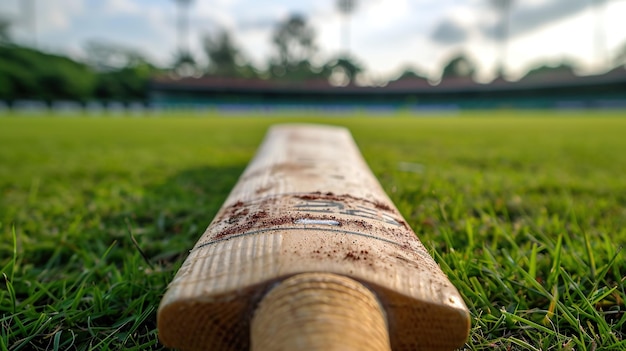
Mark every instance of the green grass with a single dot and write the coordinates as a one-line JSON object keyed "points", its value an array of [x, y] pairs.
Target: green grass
{"points": [[525, 212]]}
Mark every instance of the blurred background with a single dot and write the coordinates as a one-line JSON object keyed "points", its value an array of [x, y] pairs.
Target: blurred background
{"points": [[428, 53]]}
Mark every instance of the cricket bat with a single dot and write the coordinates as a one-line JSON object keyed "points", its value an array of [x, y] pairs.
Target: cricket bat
{"points": [[309, 253]]}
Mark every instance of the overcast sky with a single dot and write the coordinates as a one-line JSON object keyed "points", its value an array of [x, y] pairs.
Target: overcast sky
{"points": [[386, 36]]}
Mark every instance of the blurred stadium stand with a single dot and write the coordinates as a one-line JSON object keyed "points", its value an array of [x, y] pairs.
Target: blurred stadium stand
{"points": [[541, 90]]}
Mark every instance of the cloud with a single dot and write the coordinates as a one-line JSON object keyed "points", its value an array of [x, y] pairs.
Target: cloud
{"points": [[528, 17], [122, 6], [525, 17], [257, 24], [449, 32], [460, 24], [31, 25]]}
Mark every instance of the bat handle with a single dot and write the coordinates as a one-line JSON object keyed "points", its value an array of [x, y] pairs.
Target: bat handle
{"points": [[319, 311]]}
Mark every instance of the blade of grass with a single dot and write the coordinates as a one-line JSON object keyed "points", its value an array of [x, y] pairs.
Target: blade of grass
{"points": [[588, 250], [515, 318], [136, 244], [532, 265], [553, 278], [11, 292], [522, 343], [589, 310], [14, 260], [610, 265]]}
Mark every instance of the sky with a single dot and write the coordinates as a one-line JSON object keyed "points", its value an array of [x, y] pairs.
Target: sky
{"points": [[385, 36]]}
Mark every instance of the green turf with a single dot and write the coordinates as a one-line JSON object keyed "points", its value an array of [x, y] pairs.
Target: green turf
{"points": [[526, 213]]}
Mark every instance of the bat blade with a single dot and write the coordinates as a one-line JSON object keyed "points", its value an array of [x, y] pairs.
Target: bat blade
{"points": [[308, 202]]}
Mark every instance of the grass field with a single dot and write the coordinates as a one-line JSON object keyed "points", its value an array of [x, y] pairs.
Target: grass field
{"points": [[526, 213]]}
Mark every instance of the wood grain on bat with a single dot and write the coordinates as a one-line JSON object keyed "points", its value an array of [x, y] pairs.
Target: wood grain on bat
{"points": [[308, 202]]}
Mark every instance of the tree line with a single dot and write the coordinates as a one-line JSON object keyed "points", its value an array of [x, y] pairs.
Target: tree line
{"points": [[114, 73], [29, 74], [110, 72], [294, 48]]}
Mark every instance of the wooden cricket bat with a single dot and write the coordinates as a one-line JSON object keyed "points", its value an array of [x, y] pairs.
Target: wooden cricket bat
{"points": [[309, 253]]}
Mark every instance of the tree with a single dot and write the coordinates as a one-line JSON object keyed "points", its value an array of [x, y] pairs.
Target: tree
{"points": [[16, 81], [459, 67], [547, 72], [185, 64], [30, 74], [126, 84], [410, 73], [106, 56], [122, 72], [294, 40], [224, 57], [343, 71]]}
